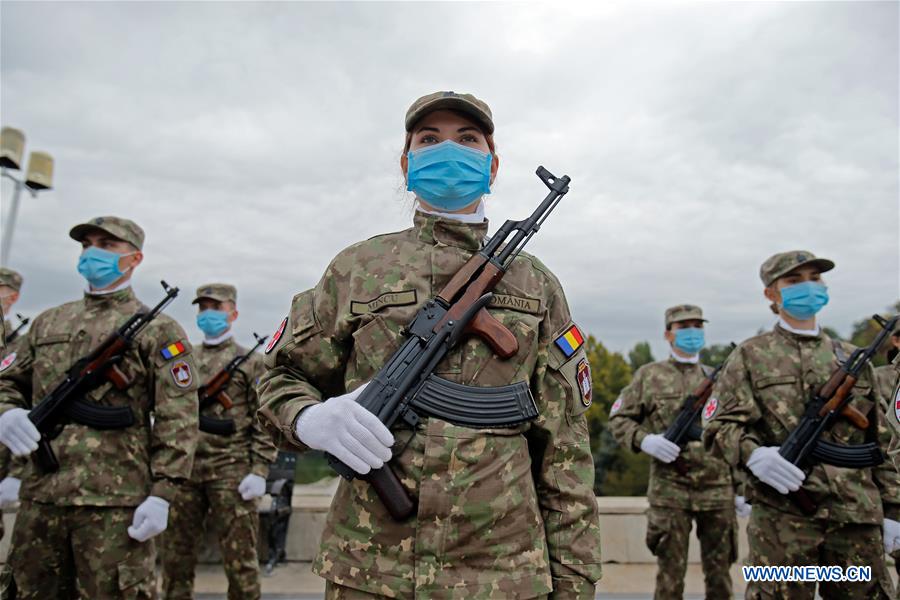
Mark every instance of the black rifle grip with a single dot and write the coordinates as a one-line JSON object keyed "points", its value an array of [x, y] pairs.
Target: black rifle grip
{"points": [[802, 499], [392, 493], [680, 466], [45, 458]]}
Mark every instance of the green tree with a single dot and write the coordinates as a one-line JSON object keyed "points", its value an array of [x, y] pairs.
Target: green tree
{"points": [[640, 355], [618, 471], [715, 354], [865, 330]]}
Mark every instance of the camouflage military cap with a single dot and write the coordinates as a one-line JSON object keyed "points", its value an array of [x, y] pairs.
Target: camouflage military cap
{"points": [[784, 262], [10, 278], [123, 229], [466, 103], [220, 292], [683, 312]]}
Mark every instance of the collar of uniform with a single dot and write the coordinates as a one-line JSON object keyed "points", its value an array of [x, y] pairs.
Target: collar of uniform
{"points": [[795, 334], [225, 340], [432, 229], [684, 362], [118, 296]]}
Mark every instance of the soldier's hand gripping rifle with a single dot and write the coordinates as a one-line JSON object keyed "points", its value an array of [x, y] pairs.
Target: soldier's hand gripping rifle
{"points": [[23, 321], [803, 447], [685, 428], [214, 391], [66, 401], [405, 389]]}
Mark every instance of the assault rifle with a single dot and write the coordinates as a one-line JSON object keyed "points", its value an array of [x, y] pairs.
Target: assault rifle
{"points": [[803, 446], [685, 428], [405, 389], [214, 391], [66, 402], [23, 321]]}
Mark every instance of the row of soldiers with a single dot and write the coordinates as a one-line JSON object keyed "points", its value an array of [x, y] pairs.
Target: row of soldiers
{"points": [[87, 529], [735, 469]]}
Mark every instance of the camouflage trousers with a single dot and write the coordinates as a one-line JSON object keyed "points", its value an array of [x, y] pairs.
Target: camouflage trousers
{"points": [[64, 552], [236, 522], [777, 538], [668, 535], [336, 591]]}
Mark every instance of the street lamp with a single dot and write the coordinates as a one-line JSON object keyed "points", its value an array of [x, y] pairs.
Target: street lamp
{"points": [[38, 176]]}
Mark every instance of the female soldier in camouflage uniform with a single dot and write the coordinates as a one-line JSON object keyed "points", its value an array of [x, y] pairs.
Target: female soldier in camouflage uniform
{"points": [[501, 512], [758, 400]]}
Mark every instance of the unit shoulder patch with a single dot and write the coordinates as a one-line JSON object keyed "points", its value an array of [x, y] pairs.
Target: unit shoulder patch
{"points": [[181, 374], [7, 361], [616, 406], [710, 408], [896, 402], [276, 335], [585, 386]]}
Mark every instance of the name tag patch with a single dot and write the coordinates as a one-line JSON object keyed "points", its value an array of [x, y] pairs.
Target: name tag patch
{"points": [[519, 303], [404, 298]]}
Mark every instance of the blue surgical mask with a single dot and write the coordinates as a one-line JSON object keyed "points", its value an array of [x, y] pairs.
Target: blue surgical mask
{"points": [[690, 340], [803, 300], [100, 267], [212, 323], [449, 176]]}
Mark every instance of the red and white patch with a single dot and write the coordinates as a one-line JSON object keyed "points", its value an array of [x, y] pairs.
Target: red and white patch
{"points": [[616, 406], [8, 361], [710, 408], [585, 386], [896, 404], [181, 373], [276, 336]]}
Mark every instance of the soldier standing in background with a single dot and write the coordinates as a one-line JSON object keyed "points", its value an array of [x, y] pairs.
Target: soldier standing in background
{"points": [[759, 399], [10, 476], [229, 471], [84, 530], [888, 378], [638, 418], [10, 286]]}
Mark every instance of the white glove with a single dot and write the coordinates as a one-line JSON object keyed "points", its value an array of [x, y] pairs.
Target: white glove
{"points": [[345, 429], [18, 433], [891, 535], [771, 468], [251, 487], [741, 506], [9, 491], [150, 519], [660, 448]]}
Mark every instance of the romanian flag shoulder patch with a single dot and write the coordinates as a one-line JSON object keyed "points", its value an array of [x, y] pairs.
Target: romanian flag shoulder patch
{"points": [[172, 350], [570, 341]]}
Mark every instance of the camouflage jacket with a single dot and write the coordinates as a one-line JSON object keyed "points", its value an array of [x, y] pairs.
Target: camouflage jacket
{"points": [[888, 378], [250, 449], [118, 467], [10, 466], [759, 399], [503, 512], [650, 404]]}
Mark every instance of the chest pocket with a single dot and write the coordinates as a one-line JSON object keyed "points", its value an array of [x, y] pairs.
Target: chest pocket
{"points": [[663, 409], [52, 355], [782, 402], [373, 344]]}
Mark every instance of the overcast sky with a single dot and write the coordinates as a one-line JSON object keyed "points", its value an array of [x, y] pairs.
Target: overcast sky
{"points": [[254, 141]]}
